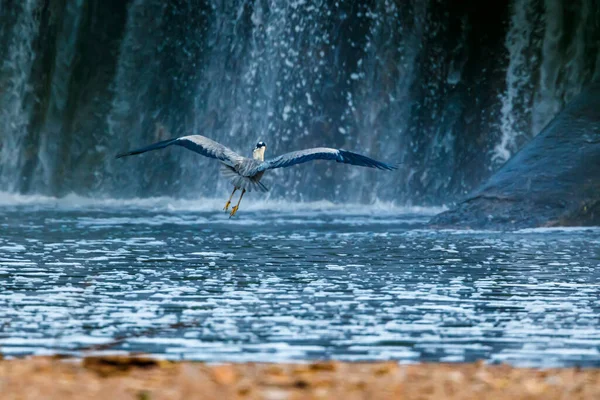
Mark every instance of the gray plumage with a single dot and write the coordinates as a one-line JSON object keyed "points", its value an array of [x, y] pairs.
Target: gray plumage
{"points": [[322, 153], [245, 173], [197, 143], [240, 181]]}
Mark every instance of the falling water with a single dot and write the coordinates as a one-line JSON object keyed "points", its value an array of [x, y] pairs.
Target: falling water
{"points": [[522, 44], [449, 92], [15, 92], [553, 48]]}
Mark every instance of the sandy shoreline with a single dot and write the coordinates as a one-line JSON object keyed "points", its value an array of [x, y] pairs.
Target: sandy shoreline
{"points": [[117, 378]]}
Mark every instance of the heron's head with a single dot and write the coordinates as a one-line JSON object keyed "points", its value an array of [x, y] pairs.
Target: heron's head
{"points": [[259, 151]]}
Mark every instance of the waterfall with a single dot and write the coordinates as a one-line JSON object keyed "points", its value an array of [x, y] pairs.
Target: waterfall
{"points": [[522, 44], [157, 72], [553, 48], [15, 91], [53, 125], [450, 92], [380, 102]]}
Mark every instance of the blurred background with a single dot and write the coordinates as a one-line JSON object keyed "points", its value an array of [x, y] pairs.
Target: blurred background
{"points": [[449, 88]]}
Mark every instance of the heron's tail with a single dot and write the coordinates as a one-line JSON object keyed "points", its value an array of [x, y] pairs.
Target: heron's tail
{"points": [[242, 182], [155, 146], [262, 187]]}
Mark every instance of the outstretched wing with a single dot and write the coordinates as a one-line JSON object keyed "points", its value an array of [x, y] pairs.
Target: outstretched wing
{"points": [[322, 153], [197, 143]]}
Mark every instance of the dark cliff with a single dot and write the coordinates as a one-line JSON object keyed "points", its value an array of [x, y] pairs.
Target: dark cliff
{"points": [[553, 181]]}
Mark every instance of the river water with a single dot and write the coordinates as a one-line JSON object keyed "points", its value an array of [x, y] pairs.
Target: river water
{"points": [[282, 282]]}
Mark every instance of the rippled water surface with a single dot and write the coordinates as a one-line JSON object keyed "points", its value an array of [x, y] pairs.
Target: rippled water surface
{"points": [[315, 281]]}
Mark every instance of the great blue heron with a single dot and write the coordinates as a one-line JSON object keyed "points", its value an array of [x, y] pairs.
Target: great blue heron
{"points": [[245, 173]]}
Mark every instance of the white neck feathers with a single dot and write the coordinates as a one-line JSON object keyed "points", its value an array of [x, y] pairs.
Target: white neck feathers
{"points": [[259, 154]]}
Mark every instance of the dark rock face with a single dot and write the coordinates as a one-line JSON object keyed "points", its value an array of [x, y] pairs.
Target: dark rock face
{"points": [[553, 181]]}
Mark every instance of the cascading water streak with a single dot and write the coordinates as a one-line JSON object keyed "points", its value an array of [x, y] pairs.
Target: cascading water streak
{"points": [[15, 91]]}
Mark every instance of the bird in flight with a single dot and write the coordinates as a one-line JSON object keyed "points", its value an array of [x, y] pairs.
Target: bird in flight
{"points": [[245, 173]]}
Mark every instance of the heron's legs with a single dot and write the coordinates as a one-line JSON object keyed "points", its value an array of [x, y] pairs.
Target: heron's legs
{"points": [[229, 201], [234, 209]]}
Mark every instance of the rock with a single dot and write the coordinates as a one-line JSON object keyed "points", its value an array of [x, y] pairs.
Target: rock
{"points": [[115, 365], [553, 181]]}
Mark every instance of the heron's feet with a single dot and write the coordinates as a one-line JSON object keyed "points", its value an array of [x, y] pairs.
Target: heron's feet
{"points": [[227, 205], [233, 211]]}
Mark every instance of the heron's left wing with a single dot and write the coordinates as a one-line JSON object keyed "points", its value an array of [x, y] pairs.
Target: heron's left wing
{"points": [[322, 153]]}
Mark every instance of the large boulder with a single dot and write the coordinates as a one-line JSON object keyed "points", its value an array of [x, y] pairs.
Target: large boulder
{"points": [[553, 181]]}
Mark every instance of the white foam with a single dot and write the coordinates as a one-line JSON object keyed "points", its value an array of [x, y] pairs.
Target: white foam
{"points": [[13, 248], [212, 254], [16, 263], [73, 201], [566, 229]]}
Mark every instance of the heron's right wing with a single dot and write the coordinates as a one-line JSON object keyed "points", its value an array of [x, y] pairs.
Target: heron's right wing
{"points": [[197, 143], [322, 153]]}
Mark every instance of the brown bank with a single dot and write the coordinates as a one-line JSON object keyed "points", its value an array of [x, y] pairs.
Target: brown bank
{"points": [[116, 378]]}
